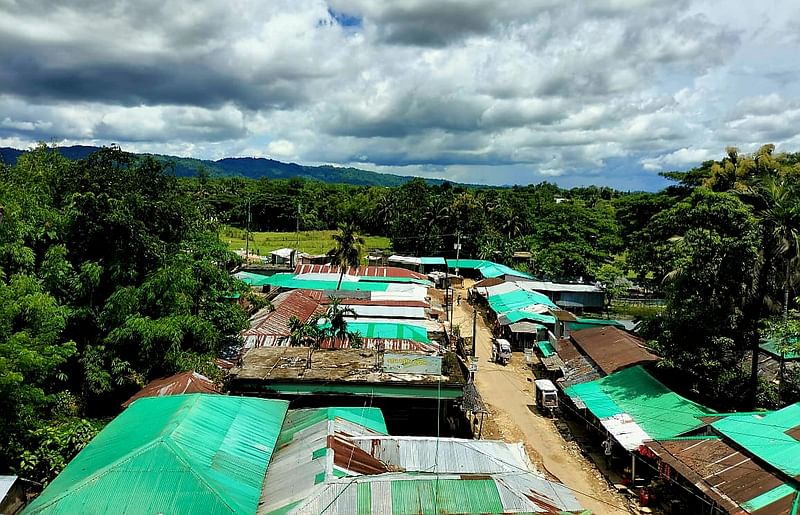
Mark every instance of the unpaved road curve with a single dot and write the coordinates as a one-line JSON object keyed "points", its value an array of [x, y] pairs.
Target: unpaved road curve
{"points": [[508, 391]]}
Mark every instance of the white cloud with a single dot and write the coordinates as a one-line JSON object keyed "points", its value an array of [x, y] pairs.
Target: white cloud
{"points": [[681, 158], [496, 89]]}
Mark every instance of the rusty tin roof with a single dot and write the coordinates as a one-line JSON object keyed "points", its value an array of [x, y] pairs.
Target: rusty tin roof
{"points": [[612, 349]]}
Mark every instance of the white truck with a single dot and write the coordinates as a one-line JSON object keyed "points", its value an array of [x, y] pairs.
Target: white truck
{"points": [[501, 351], [546, 395]]}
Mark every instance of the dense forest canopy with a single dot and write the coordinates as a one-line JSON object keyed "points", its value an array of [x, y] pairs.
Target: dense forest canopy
{"points": [[110, 275], [112, 272]]}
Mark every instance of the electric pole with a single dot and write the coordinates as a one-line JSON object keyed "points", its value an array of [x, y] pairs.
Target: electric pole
{"points": [[247, 235], [474, 333], [297, 234]]}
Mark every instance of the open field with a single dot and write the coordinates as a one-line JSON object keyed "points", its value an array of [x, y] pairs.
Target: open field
{"points": [[312, 242]]}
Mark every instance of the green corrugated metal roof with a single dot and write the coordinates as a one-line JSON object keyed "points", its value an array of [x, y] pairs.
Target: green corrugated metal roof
{"points": [[175, 454], [765, 436], [413, 280], [253, 279], [428, 260], [547, 348], [287, 280], [465, 263], [390, 331], [297, 420], [586, 323], [519, 299], [446, 496], [517, 315], [771, 347], [661, 412], [488, 269], [768, 497], [431, 391]]}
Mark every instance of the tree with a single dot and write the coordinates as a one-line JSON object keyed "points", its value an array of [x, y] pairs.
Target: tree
{"points": [[348, 249], [777, 202], [711, 248], [335, 315]]}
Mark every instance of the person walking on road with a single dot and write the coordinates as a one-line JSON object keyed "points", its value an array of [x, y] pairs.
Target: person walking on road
{"points": [[608, 449]]}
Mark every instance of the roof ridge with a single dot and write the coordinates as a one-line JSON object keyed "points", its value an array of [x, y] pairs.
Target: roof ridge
{"points": [[179, 453]]}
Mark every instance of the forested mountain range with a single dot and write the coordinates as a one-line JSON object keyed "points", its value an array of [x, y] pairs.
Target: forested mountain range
{"points": [[250, 167]]}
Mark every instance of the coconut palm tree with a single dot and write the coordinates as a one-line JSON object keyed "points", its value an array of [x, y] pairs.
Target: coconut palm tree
{"points": [[777, 203], [348, 249], [335, 314]]}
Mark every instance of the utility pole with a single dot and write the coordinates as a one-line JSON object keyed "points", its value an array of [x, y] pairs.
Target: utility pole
{"points": [[458, 249], [297, 234], [474, 333], [247, 235], [457, 246]]}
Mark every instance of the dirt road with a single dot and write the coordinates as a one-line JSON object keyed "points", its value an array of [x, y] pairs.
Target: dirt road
{"points": [[509, 393]]}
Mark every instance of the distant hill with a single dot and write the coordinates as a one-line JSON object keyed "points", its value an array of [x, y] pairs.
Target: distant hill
{"points": [[251, 167]]}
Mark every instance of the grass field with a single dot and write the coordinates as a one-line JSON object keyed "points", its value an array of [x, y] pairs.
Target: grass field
{"points": [[312, 242]]}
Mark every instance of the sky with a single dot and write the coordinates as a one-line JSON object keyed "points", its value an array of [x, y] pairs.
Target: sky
{"points": [[605, 92]]}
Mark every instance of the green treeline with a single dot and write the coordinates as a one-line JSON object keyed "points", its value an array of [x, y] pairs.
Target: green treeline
{"points": [[572, 238]]}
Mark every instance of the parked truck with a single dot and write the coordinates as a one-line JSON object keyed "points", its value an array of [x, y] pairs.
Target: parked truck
{"points": [[501, 351], [546, 395]]}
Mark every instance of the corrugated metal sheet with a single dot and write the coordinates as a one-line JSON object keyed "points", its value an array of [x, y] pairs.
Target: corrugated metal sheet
{"points": [[767, 436], [289, 281], [612, 349], [577, 369], [6, 482], [402, 331], [298, 468], [376, 311], [525, 327], [383, 302], [447, 455], [330, 277], [488, 269], [578, 323], [720, 471], [660, 412], [432, 260], [517, 300], [486, 283], [404, 260], [429, 326], [271, 328], [512, 317], [547, 286], [336, 461], [499, 289], [252, 279], [547, 496], [283, 253], [177, 454], [388, 344], [403, 494], [185, 382], [361, 271]]}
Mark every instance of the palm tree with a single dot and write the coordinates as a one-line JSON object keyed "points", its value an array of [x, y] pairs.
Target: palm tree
{"points": [[348, 249], [778, 208], [336, 318]]}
